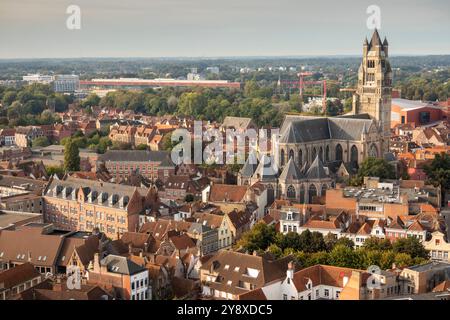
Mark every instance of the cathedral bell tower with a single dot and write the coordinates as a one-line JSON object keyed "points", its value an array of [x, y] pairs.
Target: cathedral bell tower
{"points": [[374, 90]]}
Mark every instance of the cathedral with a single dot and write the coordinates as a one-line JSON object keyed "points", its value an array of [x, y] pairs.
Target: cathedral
{"points": [[312, 147]]}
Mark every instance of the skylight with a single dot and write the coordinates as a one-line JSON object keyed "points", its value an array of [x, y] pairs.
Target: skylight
{"points": [[252, 272]]}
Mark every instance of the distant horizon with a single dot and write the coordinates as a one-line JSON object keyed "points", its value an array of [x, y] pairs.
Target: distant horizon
{"points": [[42, 29], [221, 57]]}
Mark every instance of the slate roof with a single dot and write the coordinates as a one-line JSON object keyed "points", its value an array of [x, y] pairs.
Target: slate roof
{"points": [[236, 122], [122, 265], [266, 168], [376, 40], [250, 166], [301, 129], [135, 156], [316, 170], [291, 171], [100, 192]]}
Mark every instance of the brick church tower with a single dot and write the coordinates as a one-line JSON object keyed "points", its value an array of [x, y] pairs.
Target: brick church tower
{"points": [[373, 93]]}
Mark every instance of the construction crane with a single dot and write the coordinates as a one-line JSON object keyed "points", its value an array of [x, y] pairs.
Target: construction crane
{"points": [[301, 84]]}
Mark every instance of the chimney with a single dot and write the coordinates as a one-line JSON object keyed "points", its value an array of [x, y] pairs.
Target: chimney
{"points": [[29, 256], [130, 248], [96, 263], [290, 270], [146, 247]]}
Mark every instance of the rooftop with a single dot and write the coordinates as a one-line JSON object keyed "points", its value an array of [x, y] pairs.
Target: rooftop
{"points": [[430, 266]]}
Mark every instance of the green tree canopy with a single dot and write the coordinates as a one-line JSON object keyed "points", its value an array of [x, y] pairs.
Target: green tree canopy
{"points": [[40, 142], [374, 167], [411, 246], [71, 156], [259, 237]]}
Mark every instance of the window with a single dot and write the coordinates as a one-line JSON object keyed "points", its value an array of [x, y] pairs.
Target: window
{"points": [[284, 296], [327, 293], [424, 117]]}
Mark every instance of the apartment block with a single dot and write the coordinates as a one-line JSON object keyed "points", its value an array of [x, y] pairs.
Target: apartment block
{"points": [[150, 164], [73, 204]]}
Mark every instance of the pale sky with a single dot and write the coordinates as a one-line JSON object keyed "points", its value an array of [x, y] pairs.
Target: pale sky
{"points": [[218, 28]]}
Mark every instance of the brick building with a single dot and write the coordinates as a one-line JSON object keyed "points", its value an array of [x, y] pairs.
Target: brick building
{"points": [[74, 204], [150, 164], [416, 113]]}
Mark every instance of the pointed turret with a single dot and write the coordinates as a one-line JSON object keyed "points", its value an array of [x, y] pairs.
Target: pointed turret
{"points": [[316, 170], [376, 40], [266, 169], [385, 46], [291, 171], [250, 166]]}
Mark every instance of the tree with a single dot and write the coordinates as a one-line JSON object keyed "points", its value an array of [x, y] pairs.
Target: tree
{"points": [[348, 105], [370, 257], [403, 260], [374, 167], [117, 145], [411, 246], [250, 88], [311, 241], [142, 147], [103, 144], [275, 250], [321, 257], [8, 98], [71, 157], [438, 172], [189, 198], [289, 240], [91, 100], [375, 243], [51, 170], [258, 238], [192, 104], [342, 256], [345, 242], [40, 142]]}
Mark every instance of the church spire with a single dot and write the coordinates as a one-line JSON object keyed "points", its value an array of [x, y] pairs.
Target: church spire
{"points": [[376, 40]]}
